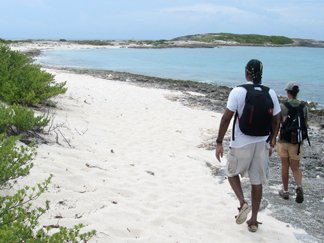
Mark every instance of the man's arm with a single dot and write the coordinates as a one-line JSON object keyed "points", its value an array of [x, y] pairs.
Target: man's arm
{"points": [[276, 119], [223, 126], [275, 129]]}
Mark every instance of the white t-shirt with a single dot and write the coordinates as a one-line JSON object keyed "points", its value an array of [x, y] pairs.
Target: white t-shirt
{"points": [[236, 102]]}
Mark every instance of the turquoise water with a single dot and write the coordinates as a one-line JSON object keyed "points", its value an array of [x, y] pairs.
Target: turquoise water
{"points": [[222, 66]]}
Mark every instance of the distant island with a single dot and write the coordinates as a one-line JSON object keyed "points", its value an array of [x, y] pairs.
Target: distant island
{"points": [[209, 40], [212, 40], [249, 39]]}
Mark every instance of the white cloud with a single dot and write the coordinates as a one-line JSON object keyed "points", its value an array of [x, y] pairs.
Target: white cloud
{"points": [[205, 9], [301, 15]]}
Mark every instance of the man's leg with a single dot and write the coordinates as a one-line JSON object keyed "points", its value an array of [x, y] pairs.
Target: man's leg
{"points": [[235, 183], [256, 195], [244, 209]]}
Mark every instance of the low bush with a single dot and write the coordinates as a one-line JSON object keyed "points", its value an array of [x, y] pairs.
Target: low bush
{"points": [[14, 161], [22, 82], [19, 219], [16, 119]]}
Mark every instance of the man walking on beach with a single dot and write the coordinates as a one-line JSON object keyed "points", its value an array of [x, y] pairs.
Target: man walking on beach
{"points": [[249, 147]]}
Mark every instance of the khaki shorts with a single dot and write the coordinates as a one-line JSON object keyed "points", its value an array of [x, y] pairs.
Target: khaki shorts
{"points": [[289, 150], [250, 161]]}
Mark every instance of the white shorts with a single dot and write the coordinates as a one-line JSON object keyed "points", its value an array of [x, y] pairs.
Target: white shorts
{"points": [[251, 161]]}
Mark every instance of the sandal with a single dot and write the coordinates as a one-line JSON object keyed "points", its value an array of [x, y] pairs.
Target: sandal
{"points": [[243, 213], [253, 227]]}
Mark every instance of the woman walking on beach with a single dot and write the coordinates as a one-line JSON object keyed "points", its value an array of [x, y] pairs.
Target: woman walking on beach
{"points": [[288, 150]]}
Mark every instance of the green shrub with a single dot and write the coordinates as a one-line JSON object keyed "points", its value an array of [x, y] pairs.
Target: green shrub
{"points": [[5, 118], [14, 161], [19, 220], [16, 119], [22, 82], [24, 119], [94, 42], [3, 41]]}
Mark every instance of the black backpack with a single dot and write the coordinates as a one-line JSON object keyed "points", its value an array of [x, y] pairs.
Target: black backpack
{"points": [[256, 119], [293, 129]]}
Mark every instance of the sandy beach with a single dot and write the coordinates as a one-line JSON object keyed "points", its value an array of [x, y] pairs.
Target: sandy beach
{"points": [[127, 161]]}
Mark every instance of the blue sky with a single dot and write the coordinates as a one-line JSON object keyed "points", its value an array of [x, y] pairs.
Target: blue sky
{"points": [[158, 19]]}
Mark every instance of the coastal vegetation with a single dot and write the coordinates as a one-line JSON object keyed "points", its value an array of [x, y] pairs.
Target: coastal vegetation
{"points": [[24, 85], [154, 43], [3, 41], [92, 42], [252, 39], [20, 120]]}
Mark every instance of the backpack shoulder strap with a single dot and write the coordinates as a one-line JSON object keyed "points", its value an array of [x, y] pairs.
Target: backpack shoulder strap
{"points": [[301, 105], [247, 87], [288, 105], [264, 88], [233, 128], [301, 108]]}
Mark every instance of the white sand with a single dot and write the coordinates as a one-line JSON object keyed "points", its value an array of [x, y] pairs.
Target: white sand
{"points": [[135, 170], [49, 45]]}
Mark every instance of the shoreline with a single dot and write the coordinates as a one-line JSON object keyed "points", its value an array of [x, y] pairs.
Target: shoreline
{"points": [[196, 94]]}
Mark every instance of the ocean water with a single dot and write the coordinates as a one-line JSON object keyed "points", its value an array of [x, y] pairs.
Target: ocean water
{"points": [[222, 66]]}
